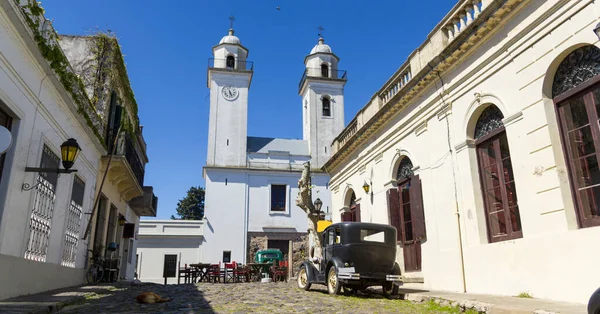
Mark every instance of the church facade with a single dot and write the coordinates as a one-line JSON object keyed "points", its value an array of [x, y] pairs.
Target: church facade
{"points": [[482, 150], [252, 182]]}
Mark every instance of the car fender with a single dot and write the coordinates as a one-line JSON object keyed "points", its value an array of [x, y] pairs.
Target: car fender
{"points": [[335, 261], [311, 271]]}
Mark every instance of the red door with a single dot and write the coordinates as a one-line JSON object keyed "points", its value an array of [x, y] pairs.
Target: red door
{"points": [[411, 222]]}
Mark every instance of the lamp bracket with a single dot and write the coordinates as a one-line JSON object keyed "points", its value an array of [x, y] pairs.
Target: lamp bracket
{"points": [[49, 170]]}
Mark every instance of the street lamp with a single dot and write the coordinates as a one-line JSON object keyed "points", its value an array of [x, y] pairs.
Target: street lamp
{"points": [[366, 187], [69, 151], [122, 220], [597, 30], [318, 204]]}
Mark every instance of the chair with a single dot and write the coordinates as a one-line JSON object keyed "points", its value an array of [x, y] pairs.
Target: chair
{"points": [[214, 272], [185, 271], [229, 272], [242, 271], [280, 271]]}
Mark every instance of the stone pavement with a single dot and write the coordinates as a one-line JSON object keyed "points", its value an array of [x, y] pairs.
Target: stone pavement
{"points": [[258, 298]]}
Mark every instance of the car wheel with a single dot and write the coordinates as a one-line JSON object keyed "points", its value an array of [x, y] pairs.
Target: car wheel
{"points": [[303, 279], [333, 284], [389, 288]]}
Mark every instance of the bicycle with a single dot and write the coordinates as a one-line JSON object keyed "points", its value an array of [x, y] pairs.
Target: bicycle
{"points": [[95, 271]]}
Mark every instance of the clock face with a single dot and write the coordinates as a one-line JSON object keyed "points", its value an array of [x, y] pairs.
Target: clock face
{"points": [[229, 92]]}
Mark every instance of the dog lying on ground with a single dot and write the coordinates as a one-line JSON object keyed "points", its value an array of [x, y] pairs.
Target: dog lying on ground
{"points": [[151, 298]]}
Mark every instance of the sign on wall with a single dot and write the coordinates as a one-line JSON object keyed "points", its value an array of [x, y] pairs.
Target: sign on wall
{"points": [[5, 139]]}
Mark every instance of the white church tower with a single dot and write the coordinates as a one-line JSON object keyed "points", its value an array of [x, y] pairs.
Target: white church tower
{"points": [[322, 91], [229, 77]]}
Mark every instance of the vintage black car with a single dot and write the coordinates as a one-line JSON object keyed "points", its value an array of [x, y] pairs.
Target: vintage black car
{"points": [[356, 255]]}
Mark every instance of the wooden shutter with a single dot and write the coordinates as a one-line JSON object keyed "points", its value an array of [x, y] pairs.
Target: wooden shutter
{"points": [[346, 216], [394, 211], [416, 209], [357, 213]]}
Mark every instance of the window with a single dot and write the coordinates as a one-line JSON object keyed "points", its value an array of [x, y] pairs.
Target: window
{"points": [[369, 235], [354, 210], [496, 175], [576, 93], [112, 225], [5, 121], [230, 62], [71, 238], [170, 266], [324, 70], [114, 121], [100, 219], [407, 214], [326, 107], [130, 251], [226, 256], [278, 195], [43, 208]]}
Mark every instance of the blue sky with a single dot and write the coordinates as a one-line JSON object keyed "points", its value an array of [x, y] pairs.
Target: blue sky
{"points": [[167, 47]]}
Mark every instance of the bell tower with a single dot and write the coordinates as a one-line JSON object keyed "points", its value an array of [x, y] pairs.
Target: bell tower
{"points": [[228, 78], [322, 90]]}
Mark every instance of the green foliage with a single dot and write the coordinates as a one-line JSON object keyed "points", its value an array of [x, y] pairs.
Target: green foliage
{"points": [[524, 295], [192, 206], [59, 62]]}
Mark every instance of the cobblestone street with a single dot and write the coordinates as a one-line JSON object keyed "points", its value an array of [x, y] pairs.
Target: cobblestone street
{"points": [[241, 298]]}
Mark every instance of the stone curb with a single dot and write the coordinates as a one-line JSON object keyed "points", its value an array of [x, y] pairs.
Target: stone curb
{"points": [[480, 307], [56, 306]]}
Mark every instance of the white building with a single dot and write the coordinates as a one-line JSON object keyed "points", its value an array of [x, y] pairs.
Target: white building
{"points": [[252, 182], [40, 224], [482, 150], [163, 245], [43, 216]]}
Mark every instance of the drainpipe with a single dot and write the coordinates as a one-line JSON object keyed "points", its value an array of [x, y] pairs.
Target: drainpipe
{"points": [[457, 212]]}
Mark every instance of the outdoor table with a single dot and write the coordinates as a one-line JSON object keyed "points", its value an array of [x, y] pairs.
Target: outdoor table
{"points": [[203, 270], [257, 267]]}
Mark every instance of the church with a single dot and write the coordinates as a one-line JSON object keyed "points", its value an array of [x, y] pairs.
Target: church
{"points": [[252, 182]]}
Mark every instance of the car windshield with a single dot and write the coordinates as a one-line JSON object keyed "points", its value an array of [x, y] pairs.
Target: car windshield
{"points": [[269, 255], [370, 235]]}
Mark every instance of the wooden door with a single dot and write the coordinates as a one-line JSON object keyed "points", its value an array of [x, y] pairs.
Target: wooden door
{"points": [[411, 222]]}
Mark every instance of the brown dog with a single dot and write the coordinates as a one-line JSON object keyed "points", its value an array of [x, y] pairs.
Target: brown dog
{"points": [[151, 298]]}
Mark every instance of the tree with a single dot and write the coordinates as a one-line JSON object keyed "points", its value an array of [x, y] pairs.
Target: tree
{"points": [[304, 201], [192, 206]]}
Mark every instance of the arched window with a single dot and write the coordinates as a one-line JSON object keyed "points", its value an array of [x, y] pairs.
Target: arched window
{"points": [[405, 169], [354, 209], [326, 107], [324, 70], [230, 62], [496, 176], [576, 93]]}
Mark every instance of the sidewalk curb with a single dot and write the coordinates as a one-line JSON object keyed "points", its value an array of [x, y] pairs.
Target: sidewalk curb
{"points": [[481, 307], [48, 307]]}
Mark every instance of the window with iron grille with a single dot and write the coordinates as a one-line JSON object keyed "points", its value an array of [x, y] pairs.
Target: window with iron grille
{"points": [[170, 266], [278, 197], [43, 207], [73, 223]]}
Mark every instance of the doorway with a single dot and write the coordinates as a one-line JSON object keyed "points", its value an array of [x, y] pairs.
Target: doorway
{"points": [[282, 245]]}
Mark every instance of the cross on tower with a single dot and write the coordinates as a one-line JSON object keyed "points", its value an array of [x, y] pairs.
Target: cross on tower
{"points": [[231, 19], [321, 29]]}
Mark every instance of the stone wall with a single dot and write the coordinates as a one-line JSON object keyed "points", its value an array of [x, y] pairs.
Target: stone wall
{"points": [[259, 241]]}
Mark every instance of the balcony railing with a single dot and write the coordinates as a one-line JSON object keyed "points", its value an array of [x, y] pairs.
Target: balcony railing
{"points": [[347, 133], [322, 73], [274, 165], [146, 204], [230, 64], [126, 148]]}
